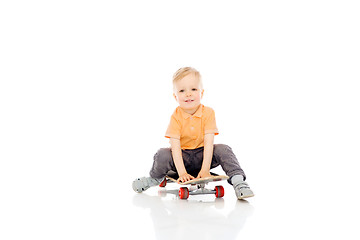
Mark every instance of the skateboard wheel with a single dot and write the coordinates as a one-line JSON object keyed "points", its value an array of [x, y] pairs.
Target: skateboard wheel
{"points": [[163, 183], [219, 191], [183, 193]]}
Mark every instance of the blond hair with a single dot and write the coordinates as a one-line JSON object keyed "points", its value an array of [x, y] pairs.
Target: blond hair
{"points": [[183, 72]]}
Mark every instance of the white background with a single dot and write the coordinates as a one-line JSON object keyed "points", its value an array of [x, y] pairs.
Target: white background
{"points": [[86, 96]]}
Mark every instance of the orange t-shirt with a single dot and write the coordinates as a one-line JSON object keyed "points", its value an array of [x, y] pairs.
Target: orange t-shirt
{"points": [[191, 129]]}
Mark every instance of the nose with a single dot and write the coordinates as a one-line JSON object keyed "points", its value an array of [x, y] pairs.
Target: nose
{"points": [[188, 93]]}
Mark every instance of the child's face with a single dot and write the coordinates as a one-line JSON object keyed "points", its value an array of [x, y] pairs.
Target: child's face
{"points": [[188, 93]]}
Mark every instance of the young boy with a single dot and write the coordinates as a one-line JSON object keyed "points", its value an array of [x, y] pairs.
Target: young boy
{"points": [[191, 132]]}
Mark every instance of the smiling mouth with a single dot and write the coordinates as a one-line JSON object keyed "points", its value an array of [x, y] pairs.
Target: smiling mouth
{"points": [[188, 101]]}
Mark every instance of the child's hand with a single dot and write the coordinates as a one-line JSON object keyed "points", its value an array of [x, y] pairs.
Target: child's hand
{"points": [[184, 178], [203, 174]]}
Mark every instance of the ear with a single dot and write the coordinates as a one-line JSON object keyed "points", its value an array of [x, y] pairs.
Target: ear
{"points": [[175, 97], [202, 93]]}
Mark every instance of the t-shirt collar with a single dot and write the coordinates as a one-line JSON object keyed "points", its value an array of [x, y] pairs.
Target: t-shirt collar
{"points": [[198, 113]]}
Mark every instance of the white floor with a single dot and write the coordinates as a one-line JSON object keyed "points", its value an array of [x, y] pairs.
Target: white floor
{"points": [[85, 205], [280, 210], [199, 216]]}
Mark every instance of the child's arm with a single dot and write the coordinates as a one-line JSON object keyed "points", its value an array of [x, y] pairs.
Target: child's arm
{"points": [[178, 160], [208, 155]]}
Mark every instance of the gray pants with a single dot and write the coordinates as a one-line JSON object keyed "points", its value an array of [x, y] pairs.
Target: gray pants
{"points": [[193, 158]]}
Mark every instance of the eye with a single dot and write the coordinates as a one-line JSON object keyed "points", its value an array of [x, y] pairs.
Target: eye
{"points": [[194, 89], [182, 90]]}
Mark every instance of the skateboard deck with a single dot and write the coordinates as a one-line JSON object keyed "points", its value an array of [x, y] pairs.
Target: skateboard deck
{"points": [[197, 185], [205, 180]]}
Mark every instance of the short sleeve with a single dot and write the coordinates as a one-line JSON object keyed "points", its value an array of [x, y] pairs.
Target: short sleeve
{"points": [[174, 128], [210, 123]]}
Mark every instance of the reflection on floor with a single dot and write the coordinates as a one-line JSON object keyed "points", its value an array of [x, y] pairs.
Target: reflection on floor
{"points": [[198, 216]]}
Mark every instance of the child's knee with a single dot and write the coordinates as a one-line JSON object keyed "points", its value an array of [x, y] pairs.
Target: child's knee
{"points": [[162, 163], [222, 148], [163, 155]]}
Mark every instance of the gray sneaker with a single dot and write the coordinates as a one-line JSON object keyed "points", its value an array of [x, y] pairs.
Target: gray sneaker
{"points": [[142, 184], [242, 190]]}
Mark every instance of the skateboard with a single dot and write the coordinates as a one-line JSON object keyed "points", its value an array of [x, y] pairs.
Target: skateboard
{"points": [[197, 185]]}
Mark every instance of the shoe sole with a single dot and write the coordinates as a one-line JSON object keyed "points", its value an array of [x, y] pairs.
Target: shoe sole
{"points": [[247, 196]]}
